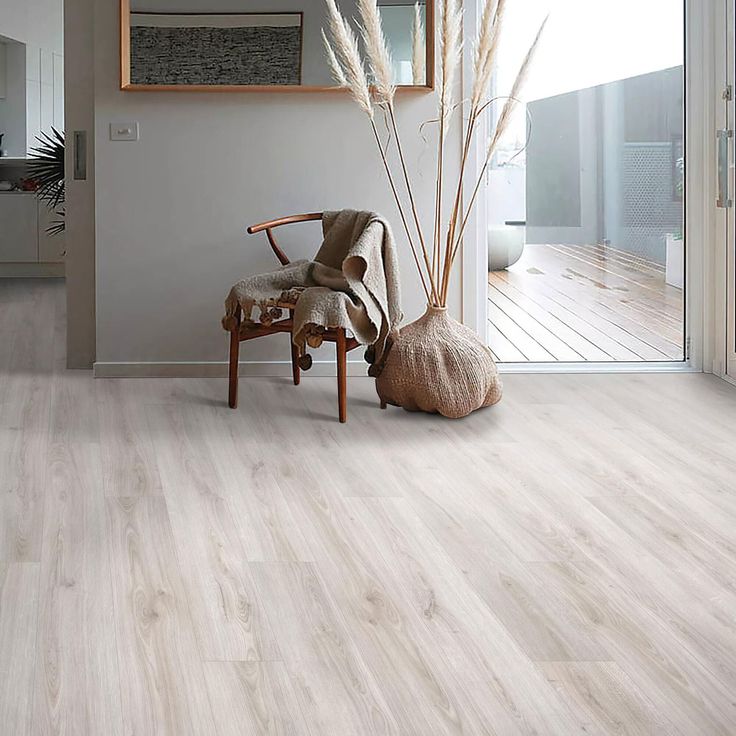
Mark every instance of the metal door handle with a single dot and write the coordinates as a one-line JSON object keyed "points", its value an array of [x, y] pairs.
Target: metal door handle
{"points": [[80, 155], [723, 137]]}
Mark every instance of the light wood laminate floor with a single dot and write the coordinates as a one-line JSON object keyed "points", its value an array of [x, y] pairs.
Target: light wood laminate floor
{"points": [[563, 563], [575, 303]]}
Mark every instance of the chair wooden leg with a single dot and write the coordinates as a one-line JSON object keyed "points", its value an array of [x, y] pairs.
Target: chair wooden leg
{"points": [[342, 375], [295, 371], [233, 368]]}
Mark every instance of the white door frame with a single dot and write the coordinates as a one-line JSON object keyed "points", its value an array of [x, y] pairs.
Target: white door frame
{"points": [[79, 95], [700, 224], [474, 264], [724, 363], [720, 266]]}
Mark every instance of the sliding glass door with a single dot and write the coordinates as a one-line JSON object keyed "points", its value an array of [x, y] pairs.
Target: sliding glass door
{"points": [[727, 182], [586, 193]]}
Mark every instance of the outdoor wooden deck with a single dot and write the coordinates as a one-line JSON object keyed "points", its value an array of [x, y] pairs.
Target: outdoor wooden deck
{"points": [[583, 303]]}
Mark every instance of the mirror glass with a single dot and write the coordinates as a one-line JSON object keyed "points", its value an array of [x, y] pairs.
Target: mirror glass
{"points": [[233, 43]]}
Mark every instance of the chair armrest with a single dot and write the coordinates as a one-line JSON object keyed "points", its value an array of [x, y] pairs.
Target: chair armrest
{"points": [[268, 227], [284, 221]]}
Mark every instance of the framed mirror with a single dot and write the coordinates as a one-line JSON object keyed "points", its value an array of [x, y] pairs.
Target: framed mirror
{"points": [[234, 46]]}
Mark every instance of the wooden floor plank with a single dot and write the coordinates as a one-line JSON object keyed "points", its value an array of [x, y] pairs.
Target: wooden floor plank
{"points": [[450, 609], [555, 324], [619, 303], [647, 651], [417, 684], [580, 320], [162, 681], [502, 346], [254, 699], [646, 317], [129, 462], [562, 563], [605, 698], [229, 620], [18, 617], [24, 418], [611, 334], [246, 465], [555, 346], [631, 261], [333, 687], [517, 334], [77, 687]]}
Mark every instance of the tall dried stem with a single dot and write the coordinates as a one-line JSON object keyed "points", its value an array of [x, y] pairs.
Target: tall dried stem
{"points": [[347, 68], [485, 59], [401, 210], [379, 59], [407, 181], [501, 127], [450, 48]]}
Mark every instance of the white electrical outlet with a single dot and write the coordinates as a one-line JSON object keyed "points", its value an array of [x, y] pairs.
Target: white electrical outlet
{"points": [[124, 131]]}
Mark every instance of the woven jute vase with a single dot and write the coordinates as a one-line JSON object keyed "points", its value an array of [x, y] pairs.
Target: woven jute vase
{"points": [[438, 366]]}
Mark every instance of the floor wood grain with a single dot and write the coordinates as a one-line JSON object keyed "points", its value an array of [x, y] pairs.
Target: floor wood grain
{"points": [[560, 564]]}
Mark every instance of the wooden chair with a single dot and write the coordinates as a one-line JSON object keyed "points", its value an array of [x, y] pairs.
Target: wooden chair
{"points": [[243, 331]]}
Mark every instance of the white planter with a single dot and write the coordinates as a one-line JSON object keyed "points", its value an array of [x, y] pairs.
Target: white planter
{"points": [[674, 261], [505, 245]]}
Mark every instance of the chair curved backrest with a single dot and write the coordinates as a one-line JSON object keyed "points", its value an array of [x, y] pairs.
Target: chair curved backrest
{"points": [[289, 220]]}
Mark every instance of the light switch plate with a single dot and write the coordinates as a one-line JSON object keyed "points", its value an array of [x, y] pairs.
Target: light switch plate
{"points": [[123, 131]]}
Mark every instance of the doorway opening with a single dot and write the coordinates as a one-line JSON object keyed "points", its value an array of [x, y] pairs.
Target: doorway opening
{"points": [[586, 249], [32, 242]]}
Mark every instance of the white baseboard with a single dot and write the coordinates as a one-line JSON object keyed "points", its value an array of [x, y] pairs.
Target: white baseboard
{"points": [[728, 379], [218, 369], [593, 367], [31, 270], [321, 369]]}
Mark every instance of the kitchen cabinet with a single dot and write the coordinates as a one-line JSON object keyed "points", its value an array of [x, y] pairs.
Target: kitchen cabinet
{"points": [[24, 238], [18, 228]]}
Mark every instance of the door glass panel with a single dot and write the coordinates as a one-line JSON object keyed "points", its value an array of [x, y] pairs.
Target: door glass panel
{"points": [[586, 248]]}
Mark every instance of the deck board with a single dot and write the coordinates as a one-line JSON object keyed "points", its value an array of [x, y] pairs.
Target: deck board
{"points": [[584, 303]]}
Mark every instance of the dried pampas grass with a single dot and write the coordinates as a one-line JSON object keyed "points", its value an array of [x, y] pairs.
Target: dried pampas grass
{"points": [[486, 49], [418, 49], [451, 23], [502, 125], [379, 57], [337, 73], [513, 99], [348, 55], [345, 62]]}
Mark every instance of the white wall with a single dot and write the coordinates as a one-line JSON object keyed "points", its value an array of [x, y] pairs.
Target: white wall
{"points": [[171, 209], [38, 25], [13, 104], [35, 22]]}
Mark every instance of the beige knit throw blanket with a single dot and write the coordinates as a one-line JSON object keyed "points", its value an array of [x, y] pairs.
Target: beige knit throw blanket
{"points": [[353, 282]]}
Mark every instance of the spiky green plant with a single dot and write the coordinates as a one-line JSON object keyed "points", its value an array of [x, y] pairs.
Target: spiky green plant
{"points": [[46, 166]]}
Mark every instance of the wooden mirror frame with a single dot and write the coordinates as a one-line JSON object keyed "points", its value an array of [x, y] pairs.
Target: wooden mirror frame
{"points": [[127, 86]]}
